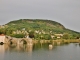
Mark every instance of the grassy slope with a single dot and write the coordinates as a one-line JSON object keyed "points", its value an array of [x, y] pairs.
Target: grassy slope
{"points": [[39, 24]]}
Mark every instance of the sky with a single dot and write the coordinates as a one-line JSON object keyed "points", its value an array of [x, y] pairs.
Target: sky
{"points": [[66, 12]]}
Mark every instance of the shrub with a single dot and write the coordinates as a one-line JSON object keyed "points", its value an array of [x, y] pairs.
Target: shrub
{"points": [[18, 35]]}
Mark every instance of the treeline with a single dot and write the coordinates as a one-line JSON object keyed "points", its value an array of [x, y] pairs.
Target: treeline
{"points": [[39, 36]]}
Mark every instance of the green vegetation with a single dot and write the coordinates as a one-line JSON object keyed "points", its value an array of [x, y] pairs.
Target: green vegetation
{"points": [[18, 35], [38, 29]]}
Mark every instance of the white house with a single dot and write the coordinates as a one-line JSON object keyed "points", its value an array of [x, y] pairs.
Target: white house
{"points": [[2, 38]]}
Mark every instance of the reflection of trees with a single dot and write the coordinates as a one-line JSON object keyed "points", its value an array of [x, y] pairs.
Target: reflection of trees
{"points": [[22, 47], [38, 46], [19, 48], [2, 52]]}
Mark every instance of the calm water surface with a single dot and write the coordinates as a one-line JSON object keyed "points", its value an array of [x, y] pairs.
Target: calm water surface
{"points": [[38, 52]]}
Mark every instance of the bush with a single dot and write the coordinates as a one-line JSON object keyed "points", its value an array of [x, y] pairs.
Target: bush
{"points": [[66, 36], [31, 34], [47, 37], [18, 35]]}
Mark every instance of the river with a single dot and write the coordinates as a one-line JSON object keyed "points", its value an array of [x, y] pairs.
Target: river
{"points": [[40, 52]]}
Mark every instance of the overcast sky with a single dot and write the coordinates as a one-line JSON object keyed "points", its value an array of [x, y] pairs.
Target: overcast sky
{"points": [[66, 12]]}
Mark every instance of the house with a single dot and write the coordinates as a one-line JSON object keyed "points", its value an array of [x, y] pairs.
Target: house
{"points": [[2, 38], [52, 36], [58, 35]]}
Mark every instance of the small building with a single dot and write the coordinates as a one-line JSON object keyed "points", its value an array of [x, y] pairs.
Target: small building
{"points": [[2, 38], [58, 35]]}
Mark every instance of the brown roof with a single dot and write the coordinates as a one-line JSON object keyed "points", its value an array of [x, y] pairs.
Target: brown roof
{"points": [[2, 35]]}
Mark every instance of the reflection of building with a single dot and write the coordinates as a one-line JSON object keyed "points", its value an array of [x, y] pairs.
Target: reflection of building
{"points": [[29, 48], [2, 50], [50, 47]]}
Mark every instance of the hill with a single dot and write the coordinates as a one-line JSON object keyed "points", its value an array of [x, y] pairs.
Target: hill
{"points": [[40, 26]]}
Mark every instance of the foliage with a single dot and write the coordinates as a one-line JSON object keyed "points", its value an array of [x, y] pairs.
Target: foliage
{"points": [[47, 37], [31, 34], [2, 31], [18, 35], [38, 24], [66, 36]]}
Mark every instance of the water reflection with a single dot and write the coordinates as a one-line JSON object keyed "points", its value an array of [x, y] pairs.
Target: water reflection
{"points": [[19, 48], [39, 52], [27, 48], [22, 47], [2, 50]]}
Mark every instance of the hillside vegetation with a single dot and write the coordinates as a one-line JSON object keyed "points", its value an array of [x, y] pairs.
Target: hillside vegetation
{"points": [[37, 29]]}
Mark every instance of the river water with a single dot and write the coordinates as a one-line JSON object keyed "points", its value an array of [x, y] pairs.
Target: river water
{"points": [[40, 52]]}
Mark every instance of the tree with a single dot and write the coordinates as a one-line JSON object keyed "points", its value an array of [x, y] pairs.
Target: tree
{"points": [[47, 37], [2, 31], [31, 34], [18, 35], [66, 36]]}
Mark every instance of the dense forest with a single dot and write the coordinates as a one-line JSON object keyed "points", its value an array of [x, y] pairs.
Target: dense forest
{"points": [[38, 29]]}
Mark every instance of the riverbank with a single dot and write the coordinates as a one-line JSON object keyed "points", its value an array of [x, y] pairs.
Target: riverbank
{"points": [[60, 41], [11, 40]]}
